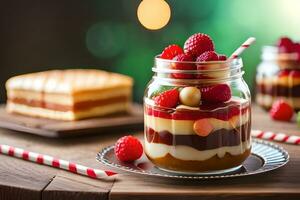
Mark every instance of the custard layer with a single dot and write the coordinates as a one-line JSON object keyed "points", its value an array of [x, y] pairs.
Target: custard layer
{"points": [[182, 152], [214, 163]]}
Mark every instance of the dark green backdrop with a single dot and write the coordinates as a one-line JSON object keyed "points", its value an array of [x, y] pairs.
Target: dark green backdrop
{"points": [[38, 35]]}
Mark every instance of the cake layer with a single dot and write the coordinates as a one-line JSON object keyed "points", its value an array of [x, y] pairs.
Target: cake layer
{"points": [[215, 139], [66, 99], [185, 127], [211, 164], [68, 115], [68, 81], [267, 100], [279, 90], [187, 153], [79, 106]]}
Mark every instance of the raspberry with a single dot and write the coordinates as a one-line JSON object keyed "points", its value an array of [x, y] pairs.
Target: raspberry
{"points": [[285, 45], [297, 50], [208, 56], [222, 57], [183, 66], [216, 93], [197, 44], [168, 99], [171, 51], [128, 148], [281, 111]]}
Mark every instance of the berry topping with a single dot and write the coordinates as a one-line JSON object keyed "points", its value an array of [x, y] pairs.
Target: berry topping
{"points": [[216, 93], [183, 66], [281, 110], [168, 99], [197, 44], [171, 51], [222, 57], [157, 89], [208, 56], [203, 127], [190, 96], [128, 148], [285, 45], [297, 50]]}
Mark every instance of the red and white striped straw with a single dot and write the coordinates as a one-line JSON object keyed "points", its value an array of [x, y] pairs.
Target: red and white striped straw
{"points": [[242, 48], [278, 137], [54, 162]]}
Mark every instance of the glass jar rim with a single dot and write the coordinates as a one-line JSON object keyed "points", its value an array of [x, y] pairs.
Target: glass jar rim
{"points": [[212, 71], [230, 64]]}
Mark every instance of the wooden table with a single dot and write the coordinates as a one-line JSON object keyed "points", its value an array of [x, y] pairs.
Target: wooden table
{"points": [[23, 180]]}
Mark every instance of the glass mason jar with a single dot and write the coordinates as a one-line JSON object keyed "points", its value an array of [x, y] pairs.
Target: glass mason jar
{"points": [[278, 77], [211, 135]]}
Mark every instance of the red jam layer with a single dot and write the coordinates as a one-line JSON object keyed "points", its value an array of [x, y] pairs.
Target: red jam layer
{"points": [[289, 72], [222, 111], [216, 139]]}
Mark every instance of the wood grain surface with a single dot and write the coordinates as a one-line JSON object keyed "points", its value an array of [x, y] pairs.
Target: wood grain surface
{"points": [[23, 180], [58, 129]]}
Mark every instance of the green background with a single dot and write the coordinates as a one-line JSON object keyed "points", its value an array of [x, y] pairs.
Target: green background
{"points": [[107, 34]]}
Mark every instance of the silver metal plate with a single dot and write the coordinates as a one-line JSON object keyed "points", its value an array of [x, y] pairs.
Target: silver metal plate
{"points": [[265, 156]]}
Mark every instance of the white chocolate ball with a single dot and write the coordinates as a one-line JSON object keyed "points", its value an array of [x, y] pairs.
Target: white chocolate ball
{"points": [[190, 96]]}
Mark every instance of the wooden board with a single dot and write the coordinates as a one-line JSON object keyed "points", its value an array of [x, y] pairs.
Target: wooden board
{"points": [[57, 129], [23, 180]]}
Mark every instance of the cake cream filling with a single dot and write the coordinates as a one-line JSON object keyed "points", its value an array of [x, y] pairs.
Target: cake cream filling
{"points": [[67, 99], [267, 100], [186, 153], [287, 81], [185, 127], [69, 115]]}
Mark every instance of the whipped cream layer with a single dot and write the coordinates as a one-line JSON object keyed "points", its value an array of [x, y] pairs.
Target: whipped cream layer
{"points": [[185, 127], [154, 151]]}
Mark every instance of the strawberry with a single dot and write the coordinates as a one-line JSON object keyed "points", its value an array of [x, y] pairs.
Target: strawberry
{"points": [[168, 99], [216, 93], [208, 56], [128, 148], [222, 57], [183, 66], [281, 110], [297, 50], [171, 51], [197, 44], [285, 45]]}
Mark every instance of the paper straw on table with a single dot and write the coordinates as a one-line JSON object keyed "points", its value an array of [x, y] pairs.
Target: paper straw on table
{"points": [[54, 162], [242, 48], [278, 137]]}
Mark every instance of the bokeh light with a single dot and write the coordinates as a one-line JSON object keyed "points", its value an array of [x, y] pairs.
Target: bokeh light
{"points": [[154, 14]]}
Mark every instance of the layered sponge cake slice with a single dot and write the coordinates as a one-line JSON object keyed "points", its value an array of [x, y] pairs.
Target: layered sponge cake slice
{"points": [[69, 94]]}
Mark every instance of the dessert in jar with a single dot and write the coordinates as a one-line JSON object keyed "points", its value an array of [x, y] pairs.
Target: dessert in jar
{"points": [[278, 75], [197, 110]]}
